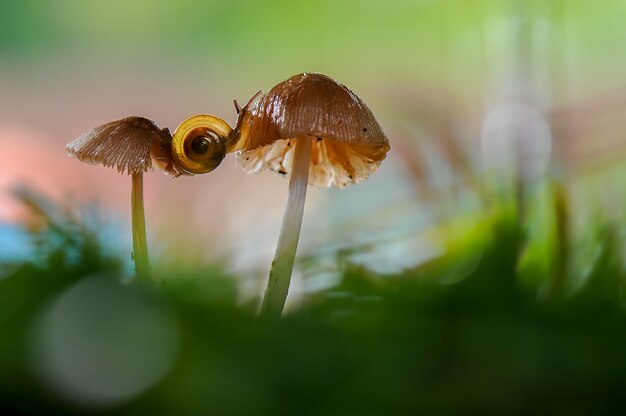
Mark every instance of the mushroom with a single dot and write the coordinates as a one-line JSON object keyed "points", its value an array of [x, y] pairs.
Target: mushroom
{"points": [[130, 144], [317, 131]]}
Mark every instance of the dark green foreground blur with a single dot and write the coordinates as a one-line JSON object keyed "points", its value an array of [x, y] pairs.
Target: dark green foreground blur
{"points": [[76, 338]]}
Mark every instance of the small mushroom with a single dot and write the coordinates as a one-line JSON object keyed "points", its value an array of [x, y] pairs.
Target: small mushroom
{"points": [[130, 145], [320, 133]]}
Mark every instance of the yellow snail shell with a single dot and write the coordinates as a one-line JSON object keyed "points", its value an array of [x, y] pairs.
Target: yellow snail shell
{"points": [[199, 143]]}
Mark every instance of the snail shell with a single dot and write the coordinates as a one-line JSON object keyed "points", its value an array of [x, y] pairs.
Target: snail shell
{"points": [[199, 143]]}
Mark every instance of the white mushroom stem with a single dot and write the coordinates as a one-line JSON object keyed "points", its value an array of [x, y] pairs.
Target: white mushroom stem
{"points": [[282, 266], [140, 246]]}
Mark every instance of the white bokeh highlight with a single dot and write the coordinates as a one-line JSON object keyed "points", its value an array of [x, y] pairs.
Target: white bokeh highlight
{"points": [[100, 344]]}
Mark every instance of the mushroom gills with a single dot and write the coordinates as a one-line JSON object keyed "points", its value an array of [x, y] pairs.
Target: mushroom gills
{"points": [[123, 144], [332, 163]]}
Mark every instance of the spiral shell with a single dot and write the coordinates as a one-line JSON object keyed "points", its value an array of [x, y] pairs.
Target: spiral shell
{"points": [[199, 143]]}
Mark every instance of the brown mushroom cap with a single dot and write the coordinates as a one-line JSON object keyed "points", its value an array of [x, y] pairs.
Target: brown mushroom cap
{"points": [[349, 143], [128, 144]]}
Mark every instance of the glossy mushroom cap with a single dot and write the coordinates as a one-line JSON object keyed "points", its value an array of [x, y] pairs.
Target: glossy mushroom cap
{"points": [[348, 144], [128, 144]]}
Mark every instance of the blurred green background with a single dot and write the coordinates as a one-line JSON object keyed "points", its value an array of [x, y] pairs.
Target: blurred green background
{"points": [[481, 269]]}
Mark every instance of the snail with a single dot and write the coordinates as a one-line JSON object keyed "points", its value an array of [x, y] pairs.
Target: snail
{"points": [[132, 143]]}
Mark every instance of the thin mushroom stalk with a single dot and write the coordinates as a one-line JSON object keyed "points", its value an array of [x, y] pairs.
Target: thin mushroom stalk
{"points": [[282, 266], [138, 221]]}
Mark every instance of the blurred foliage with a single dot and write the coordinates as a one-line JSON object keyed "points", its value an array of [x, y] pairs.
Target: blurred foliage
{"points": [[491, 342]]}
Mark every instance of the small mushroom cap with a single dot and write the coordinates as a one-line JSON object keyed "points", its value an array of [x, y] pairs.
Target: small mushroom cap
{"points": [[348, 144], [128, 145]]}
